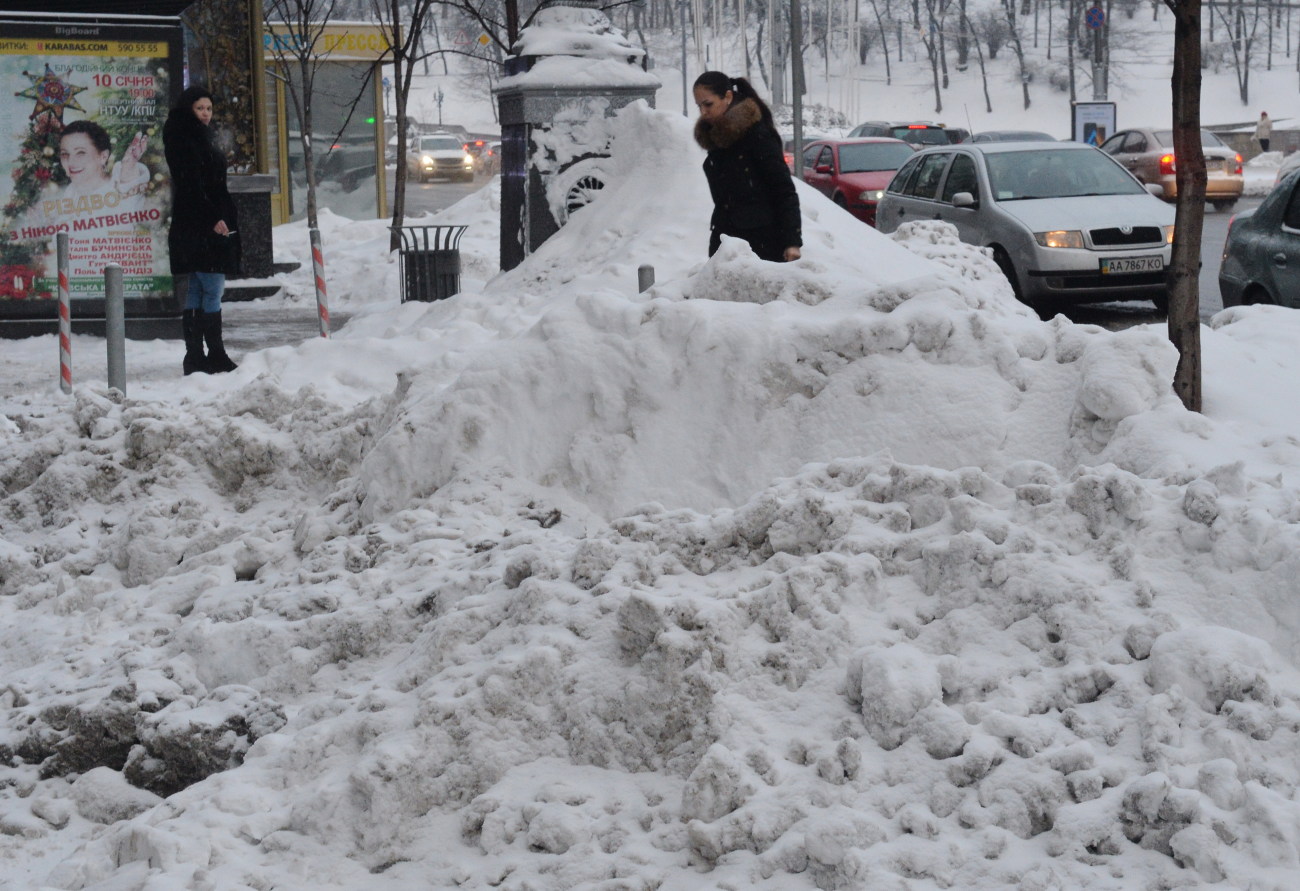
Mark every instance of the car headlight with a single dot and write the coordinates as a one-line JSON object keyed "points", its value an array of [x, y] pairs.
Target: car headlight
{"points": [[871, 197], [1061, 238], [468, 160], [427, 161], [1169, 234]]}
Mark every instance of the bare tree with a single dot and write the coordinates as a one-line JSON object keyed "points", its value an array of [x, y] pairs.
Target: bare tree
{"points": [[402, 23], [1013, 31], [979, 54], [931, 36], [297, 26], [1241, 26], [1190, 175]]}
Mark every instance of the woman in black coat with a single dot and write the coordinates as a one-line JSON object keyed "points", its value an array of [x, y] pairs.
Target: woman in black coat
{"points": [[753, 193], [202, 239]]}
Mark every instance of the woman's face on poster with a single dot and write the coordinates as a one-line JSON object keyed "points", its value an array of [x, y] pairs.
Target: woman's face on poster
{"points": [[203, 110], [81, 160]]}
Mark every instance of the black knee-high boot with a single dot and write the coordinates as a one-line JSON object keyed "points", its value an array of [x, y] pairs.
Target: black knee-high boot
{"points": [[194, 360], [218, 361]]}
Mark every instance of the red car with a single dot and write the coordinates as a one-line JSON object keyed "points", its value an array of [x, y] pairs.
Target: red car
{"points": [[854, 172]]}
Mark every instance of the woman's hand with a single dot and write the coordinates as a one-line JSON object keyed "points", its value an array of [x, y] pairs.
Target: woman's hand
{"points": [[792, 253], [221, 228]]}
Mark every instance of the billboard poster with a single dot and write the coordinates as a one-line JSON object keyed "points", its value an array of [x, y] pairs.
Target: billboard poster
{"points": [[1093, 122], [82, 108]]}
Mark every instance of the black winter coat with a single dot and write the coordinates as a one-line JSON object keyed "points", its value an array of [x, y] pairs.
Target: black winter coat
{"points": [[753, 192], [199, 199]]}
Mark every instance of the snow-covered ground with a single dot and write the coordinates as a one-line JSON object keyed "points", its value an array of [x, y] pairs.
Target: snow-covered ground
{"points": [[847, 573]]}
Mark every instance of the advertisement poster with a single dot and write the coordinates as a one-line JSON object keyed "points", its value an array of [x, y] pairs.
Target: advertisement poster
{"points": [[82, 108], [1094, 122]]}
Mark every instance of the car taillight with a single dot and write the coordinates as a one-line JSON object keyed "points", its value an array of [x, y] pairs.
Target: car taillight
{"points": [[1238, 170], [1166, 165]]}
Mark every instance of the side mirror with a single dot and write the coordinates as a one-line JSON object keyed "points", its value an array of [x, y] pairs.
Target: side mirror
{"points": [[822, 168], [964, 199], [1155, 189]]}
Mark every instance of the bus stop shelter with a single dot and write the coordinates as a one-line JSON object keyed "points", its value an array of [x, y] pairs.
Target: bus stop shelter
{"points": [[105, 73]]}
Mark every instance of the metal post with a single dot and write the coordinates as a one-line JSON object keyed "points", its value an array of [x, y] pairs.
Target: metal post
{"points": [[681, 6], [65, 315], [115, 327], [318, 266], [645, 277], [797, 81]]}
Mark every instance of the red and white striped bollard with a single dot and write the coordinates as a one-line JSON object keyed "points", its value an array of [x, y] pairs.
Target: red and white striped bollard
{"points": [[65, 314]]}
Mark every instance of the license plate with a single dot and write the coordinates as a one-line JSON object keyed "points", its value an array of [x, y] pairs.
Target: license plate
{"points": [[1128, 265]]}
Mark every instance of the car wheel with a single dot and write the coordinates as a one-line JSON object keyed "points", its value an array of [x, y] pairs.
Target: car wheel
{"points": [[1003, 260], [1221, 206]]}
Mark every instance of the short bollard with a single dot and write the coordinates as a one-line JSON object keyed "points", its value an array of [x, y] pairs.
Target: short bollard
{"points": [[115, 327], [645, 277]]}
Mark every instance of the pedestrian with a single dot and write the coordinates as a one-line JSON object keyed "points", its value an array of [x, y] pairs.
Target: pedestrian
{"points": [[753, 191], [203, 240], [1264, 131]]}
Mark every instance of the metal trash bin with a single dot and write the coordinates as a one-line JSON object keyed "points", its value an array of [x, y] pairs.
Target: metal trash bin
{"points": [[429, 261]]}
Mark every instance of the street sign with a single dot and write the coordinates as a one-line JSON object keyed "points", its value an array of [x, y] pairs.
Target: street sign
{"points": [[1095, 17]]}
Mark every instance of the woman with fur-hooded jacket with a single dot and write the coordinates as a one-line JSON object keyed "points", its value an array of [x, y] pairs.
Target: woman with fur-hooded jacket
{"points": [[202, 240], [753, 192]]}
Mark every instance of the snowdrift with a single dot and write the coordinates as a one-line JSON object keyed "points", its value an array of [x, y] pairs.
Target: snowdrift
{"points": [[849, 573]]}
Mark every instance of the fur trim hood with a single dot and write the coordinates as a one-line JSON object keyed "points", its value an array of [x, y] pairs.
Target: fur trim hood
{"points": [[725, 132]]}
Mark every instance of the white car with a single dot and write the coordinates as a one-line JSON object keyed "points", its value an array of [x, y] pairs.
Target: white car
{"points": [[1064, 221], [440, 154]]}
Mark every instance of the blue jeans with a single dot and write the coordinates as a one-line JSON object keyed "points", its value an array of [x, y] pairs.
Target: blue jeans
{"points": [[205, 291]]}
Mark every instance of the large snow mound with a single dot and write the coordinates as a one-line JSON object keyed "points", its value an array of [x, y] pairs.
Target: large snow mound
{"points": [[848, 573]]}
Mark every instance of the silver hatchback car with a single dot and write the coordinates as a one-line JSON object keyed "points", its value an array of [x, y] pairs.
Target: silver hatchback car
{"points": [[1066, 224]]}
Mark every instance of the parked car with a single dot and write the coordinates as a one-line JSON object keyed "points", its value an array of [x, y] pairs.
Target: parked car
{"points": [[1149, 154], [477, 146], [491, 159], [1261, 256], [787, 147], [1010, 136], [441, 154], [918, 133], [854, 172], [1064, 221]]}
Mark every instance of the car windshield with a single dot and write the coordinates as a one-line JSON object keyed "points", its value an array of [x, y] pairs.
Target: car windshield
{"points": [[1056, 173], [923, 135], [439, 144], [1208, 139], [871, 156]]}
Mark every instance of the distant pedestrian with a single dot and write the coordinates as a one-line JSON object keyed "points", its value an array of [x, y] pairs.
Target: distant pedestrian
{"points": [[1264, 131], [753, 192], [203, 240]]}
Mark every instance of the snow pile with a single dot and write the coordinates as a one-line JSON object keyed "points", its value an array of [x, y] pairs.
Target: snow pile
{"points": [[848, 573]]}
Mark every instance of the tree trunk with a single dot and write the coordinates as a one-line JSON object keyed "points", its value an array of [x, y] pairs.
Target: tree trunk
{"points": [[1189, 172], [1010, 6]]}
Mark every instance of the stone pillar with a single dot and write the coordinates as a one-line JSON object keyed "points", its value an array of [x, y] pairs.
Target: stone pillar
{"points": [[566, 78]]}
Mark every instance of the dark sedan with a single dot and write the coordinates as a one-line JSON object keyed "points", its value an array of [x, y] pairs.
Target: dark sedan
{"points": [[854, 172], [1010, 136], [1261, 257]]}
